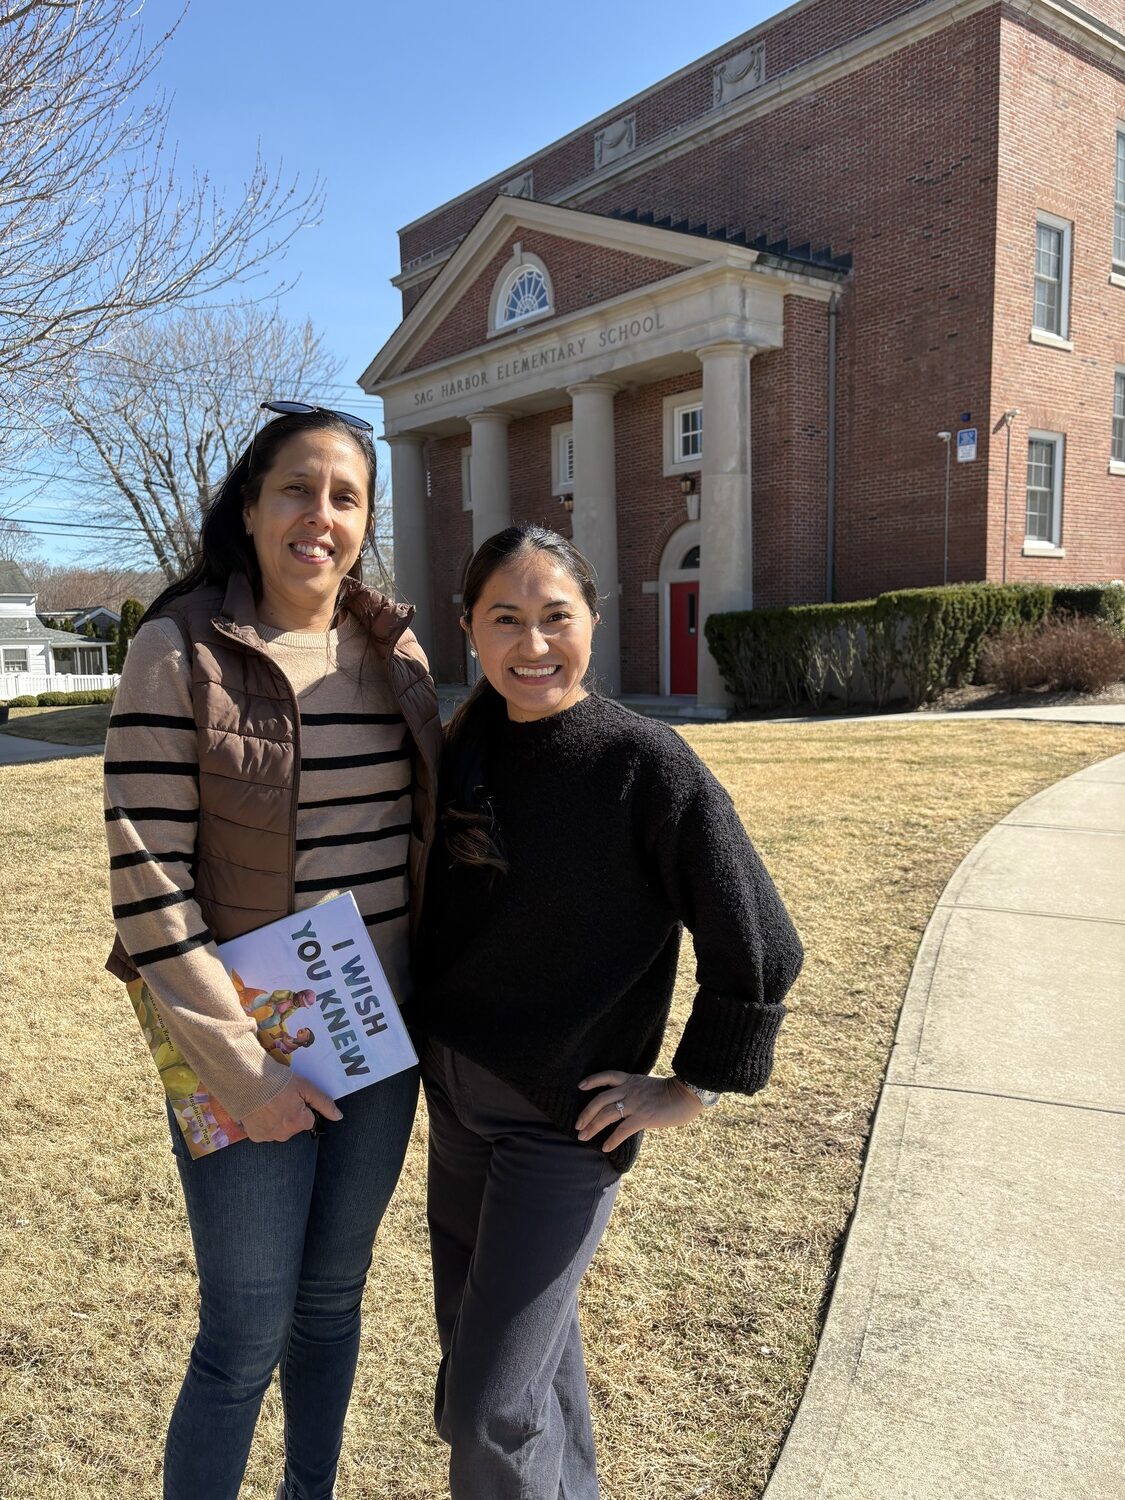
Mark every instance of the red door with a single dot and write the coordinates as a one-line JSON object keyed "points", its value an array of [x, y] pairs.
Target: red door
{"points": [[684, 643]]}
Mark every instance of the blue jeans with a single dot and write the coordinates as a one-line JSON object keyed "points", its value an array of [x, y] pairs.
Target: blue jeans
{"points": [[283, 1233]]}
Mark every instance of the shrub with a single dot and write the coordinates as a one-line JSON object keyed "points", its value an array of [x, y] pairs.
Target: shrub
{"points": [[1098, 601], [930, 638], [1010, 662], [939, 632], [769, 656], [1075, 653], [66, 700], [24, 701]]}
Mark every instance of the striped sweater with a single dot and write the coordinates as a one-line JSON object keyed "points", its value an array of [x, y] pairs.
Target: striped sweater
{"points": [[353, 826]]}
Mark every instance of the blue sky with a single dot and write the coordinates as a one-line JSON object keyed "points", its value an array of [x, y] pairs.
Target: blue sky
{"points": [[398, 108]]}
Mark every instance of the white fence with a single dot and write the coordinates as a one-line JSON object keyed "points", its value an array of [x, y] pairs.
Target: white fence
{"points": [[21, 684]]}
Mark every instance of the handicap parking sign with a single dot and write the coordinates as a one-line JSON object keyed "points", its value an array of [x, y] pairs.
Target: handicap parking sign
{"points": [[966, 445]]}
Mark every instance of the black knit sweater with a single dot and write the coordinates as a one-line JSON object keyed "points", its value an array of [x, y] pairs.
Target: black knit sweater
{"points": [[616, 834]]}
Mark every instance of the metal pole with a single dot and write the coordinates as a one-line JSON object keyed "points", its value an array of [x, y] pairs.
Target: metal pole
{"points": [[1007, 477], [830, 517], [948, 455]]}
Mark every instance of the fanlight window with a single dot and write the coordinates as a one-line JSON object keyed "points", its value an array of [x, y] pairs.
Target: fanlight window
{"points": [[526, 296]]}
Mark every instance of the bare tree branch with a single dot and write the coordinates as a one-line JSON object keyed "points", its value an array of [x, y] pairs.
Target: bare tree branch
{"points": [[17, 544], [71, 586], [96, 229], [165, 413]]}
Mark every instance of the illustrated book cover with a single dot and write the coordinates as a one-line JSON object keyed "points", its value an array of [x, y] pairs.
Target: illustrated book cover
{"points": [[314, 987]]}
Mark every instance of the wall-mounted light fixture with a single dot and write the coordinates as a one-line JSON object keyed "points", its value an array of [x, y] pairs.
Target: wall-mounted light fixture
{"points": [[567, 503], [687, 484]]}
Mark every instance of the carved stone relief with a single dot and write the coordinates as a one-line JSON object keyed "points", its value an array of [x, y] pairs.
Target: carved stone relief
{"points": [[739, 74], [520, 187], [614, 141]]}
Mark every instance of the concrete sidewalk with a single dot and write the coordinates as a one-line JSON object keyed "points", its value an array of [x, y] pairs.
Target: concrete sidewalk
{"points": [[17, 751], [1058, 713], [974, 1347]]}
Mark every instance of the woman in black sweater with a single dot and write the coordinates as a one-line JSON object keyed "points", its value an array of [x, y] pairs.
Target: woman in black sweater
{"points": [[579, 840]]}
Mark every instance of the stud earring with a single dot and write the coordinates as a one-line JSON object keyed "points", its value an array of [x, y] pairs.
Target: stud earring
{"points": [[473, 652]]}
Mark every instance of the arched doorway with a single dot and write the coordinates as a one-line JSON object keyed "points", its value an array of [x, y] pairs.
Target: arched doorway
{"points": [[680, 616]]}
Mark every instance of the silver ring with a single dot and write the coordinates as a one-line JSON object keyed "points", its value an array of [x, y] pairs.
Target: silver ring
{"points": [[619, 1106]]}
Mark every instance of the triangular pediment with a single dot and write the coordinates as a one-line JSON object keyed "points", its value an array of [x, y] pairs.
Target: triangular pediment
{"points": [[451, 316]]}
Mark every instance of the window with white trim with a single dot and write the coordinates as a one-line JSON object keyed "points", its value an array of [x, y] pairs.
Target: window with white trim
{"points": [[1051, 312], [562, 458], [683, 432], [526, 296], [1044, 488], [521, 293], [1119, 203], [467, 478], [14, 661], [1117, 450], [688, 422]]}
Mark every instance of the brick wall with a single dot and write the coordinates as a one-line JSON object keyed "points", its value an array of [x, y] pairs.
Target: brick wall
{"points": [[1058, 113], [789, 452], [789, 42], [909, 191]]}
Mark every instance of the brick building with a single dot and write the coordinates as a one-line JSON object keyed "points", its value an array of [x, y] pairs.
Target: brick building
{"points": [[718, 333]]}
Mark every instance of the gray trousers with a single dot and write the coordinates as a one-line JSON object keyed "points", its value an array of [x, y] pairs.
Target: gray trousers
{"points": [[516, 1209]]}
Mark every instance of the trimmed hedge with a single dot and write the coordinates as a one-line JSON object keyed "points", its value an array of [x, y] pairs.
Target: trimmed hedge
{"points": [[930, 638], [61, 700], [1099, 601], [65, 700]]}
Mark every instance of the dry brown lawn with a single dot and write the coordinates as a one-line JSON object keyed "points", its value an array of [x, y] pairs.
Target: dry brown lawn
{"points": [[703, 1306]]}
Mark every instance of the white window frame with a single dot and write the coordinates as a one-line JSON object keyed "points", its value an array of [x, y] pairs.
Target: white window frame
{"points": [[1056, 338], [1051, 546], [562, 458], [20, 651], [1117, 249], [680, 433], [1117, 438], [521, 260], [467, 477], [674, 406]]}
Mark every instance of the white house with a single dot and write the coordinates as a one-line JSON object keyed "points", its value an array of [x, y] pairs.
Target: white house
{"points": [[104, 620], [36, 659]]}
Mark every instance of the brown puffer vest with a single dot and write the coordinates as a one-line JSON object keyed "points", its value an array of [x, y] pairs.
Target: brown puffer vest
{"points": [[248, 732]]}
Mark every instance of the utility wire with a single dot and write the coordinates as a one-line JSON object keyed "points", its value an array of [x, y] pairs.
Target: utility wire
{"points": [[70, 526]]}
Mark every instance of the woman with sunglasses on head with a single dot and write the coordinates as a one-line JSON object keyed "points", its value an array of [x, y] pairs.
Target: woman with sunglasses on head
{"points": [[576, 840], [274, 737]]}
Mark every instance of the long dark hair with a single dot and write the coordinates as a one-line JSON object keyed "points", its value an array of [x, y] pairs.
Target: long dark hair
{"points": [[471, 834], [223, 547]]}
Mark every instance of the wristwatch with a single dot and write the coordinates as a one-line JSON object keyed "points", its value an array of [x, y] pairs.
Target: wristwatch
{"points": [[707, 1097]]}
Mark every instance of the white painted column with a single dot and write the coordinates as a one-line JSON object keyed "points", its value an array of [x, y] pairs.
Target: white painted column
{"points": [[488, 474], [726, 576], [594, 518], [409, 507]]}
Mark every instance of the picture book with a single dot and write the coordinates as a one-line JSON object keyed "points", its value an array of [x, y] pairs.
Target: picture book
{"points": [[316, 991]]}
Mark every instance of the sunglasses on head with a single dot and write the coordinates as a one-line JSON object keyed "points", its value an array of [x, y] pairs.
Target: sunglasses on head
{"points": [[303, 409]]}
